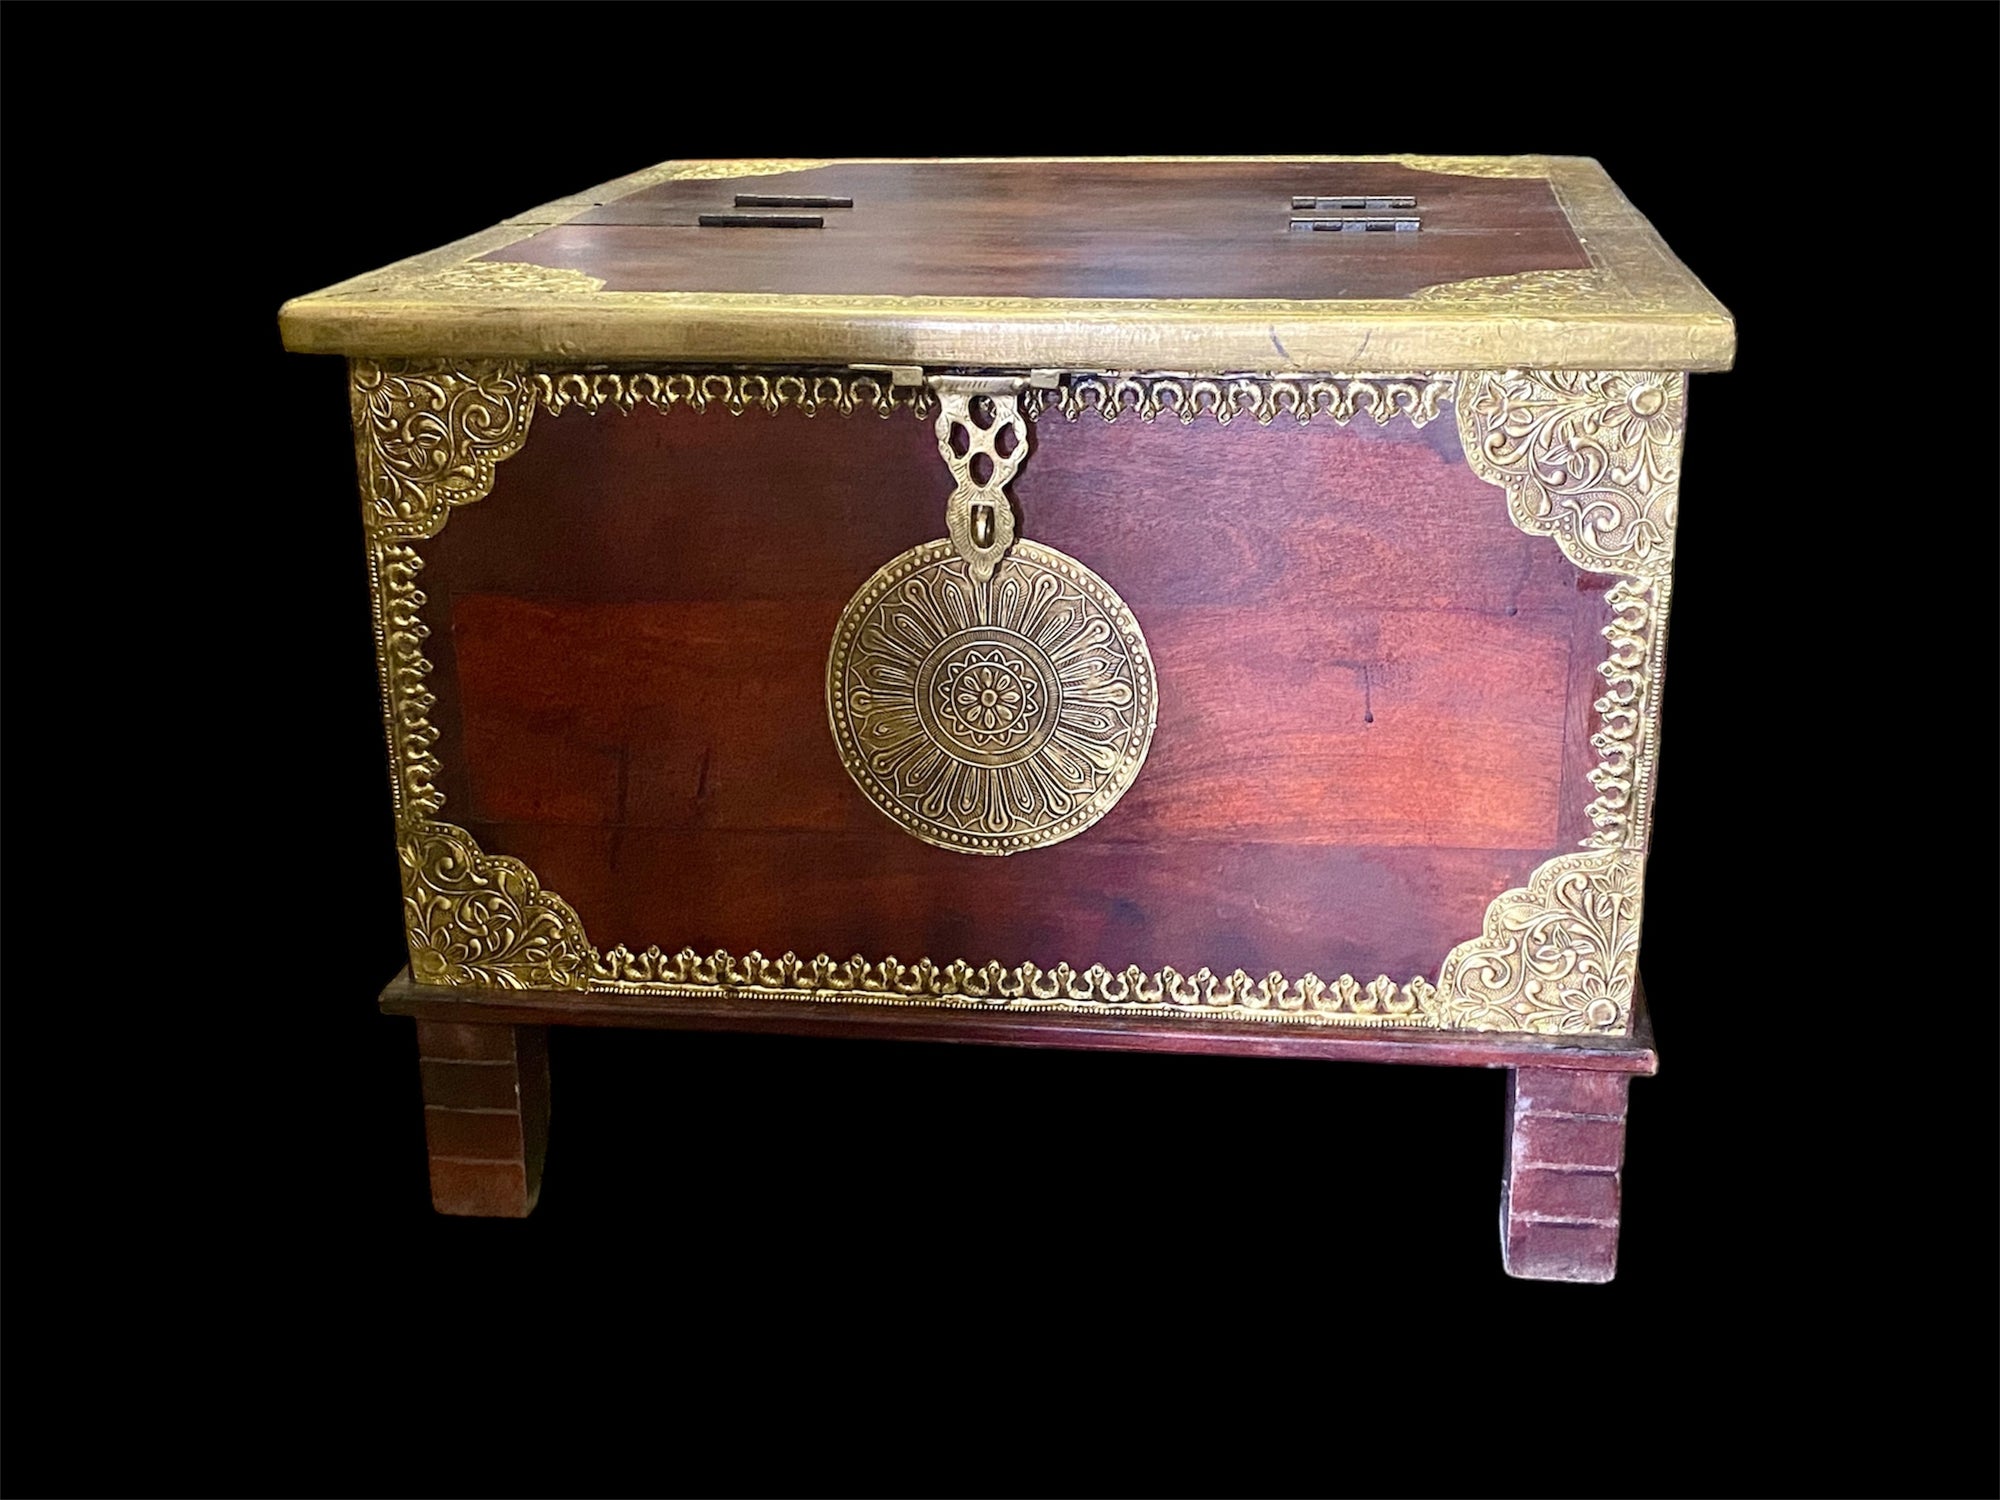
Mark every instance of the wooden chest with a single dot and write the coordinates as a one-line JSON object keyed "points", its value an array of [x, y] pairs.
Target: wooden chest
{"points": [[1199, 605]]}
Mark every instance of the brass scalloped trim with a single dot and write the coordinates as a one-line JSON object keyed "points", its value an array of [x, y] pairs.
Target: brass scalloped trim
{"points": [[1262, 398], [400, 633], [1581, 461], [737, 391], [1108, 395], [1627, 713], [1129, 991]]}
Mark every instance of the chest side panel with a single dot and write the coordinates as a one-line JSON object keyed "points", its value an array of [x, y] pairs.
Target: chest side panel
{"points": [[1374, 691]]}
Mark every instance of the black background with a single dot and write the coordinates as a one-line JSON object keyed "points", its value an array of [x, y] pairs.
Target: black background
{"points": [[787, 1264]]}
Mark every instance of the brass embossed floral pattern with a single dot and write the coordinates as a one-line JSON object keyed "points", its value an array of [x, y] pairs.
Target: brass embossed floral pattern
{"points": [[501, 280], [1541, 291], [990, 717], [1561, 954], [427, 439], [483, 919], [1589, 457]]}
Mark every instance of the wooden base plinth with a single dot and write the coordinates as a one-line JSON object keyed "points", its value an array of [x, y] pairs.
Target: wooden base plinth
{"points": [[1559, 1201], [486, 1089], [486, 1115]]}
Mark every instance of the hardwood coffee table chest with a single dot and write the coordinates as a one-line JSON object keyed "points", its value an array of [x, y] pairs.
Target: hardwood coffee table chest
{"points": [[1196, 605]]}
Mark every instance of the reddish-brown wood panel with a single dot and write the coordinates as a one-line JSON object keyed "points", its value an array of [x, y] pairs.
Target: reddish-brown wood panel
{"points": [[1369, 689], [1408, 727], [678, 505], [1256, 906], [1067, 229]]}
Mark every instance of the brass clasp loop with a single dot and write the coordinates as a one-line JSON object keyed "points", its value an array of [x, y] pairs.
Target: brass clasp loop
{"points": [[984, 439]]}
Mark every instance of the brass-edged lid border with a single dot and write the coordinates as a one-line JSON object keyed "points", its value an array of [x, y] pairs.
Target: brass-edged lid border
{"points": [[1635, 308]]}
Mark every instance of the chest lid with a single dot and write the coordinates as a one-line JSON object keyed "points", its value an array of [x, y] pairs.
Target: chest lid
{"points": [[1253, 264]]}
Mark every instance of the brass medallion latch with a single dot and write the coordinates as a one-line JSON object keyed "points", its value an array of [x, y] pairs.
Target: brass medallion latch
{"points": [[989, 694]]}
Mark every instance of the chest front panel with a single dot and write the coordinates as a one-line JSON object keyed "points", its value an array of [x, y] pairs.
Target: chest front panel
{"points": [[1374, 689]]}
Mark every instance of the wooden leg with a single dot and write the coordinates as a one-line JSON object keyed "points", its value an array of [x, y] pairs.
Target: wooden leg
{"points": [[486, 1116], [1565, 1144]]}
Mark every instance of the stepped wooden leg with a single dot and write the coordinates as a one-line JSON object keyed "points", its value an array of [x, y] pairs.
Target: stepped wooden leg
{"points": [[486, 1116], [1559, 1204]]}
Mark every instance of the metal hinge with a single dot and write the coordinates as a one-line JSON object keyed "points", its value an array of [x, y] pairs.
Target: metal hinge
{"points": [[1041, 380]]}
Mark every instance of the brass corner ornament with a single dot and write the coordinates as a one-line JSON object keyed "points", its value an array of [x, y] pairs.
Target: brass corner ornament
{"points": [[1559, 955], [1590, 460], [483, 919], [427, 439]]}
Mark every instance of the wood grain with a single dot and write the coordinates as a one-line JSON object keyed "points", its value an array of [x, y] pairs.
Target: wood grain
{"points": [[1067, 229], [1369, 690], [1224, 905], [1270, 728]]}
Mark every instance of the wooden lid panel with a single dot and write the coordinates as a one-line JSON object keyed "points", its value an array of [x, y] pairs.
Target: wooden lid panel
{"points": [[1144, 230], [1129, 263]]}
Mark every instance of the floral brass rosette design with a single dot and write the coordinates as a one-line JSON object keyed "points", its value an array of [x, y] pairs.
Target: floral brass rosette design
{"points": [[996, 716], [991, 694]]}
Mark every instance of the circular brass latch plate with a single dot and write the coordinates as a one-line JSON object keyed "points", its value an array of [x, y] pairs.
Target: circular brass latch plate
{"points": [[990, 717]]}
